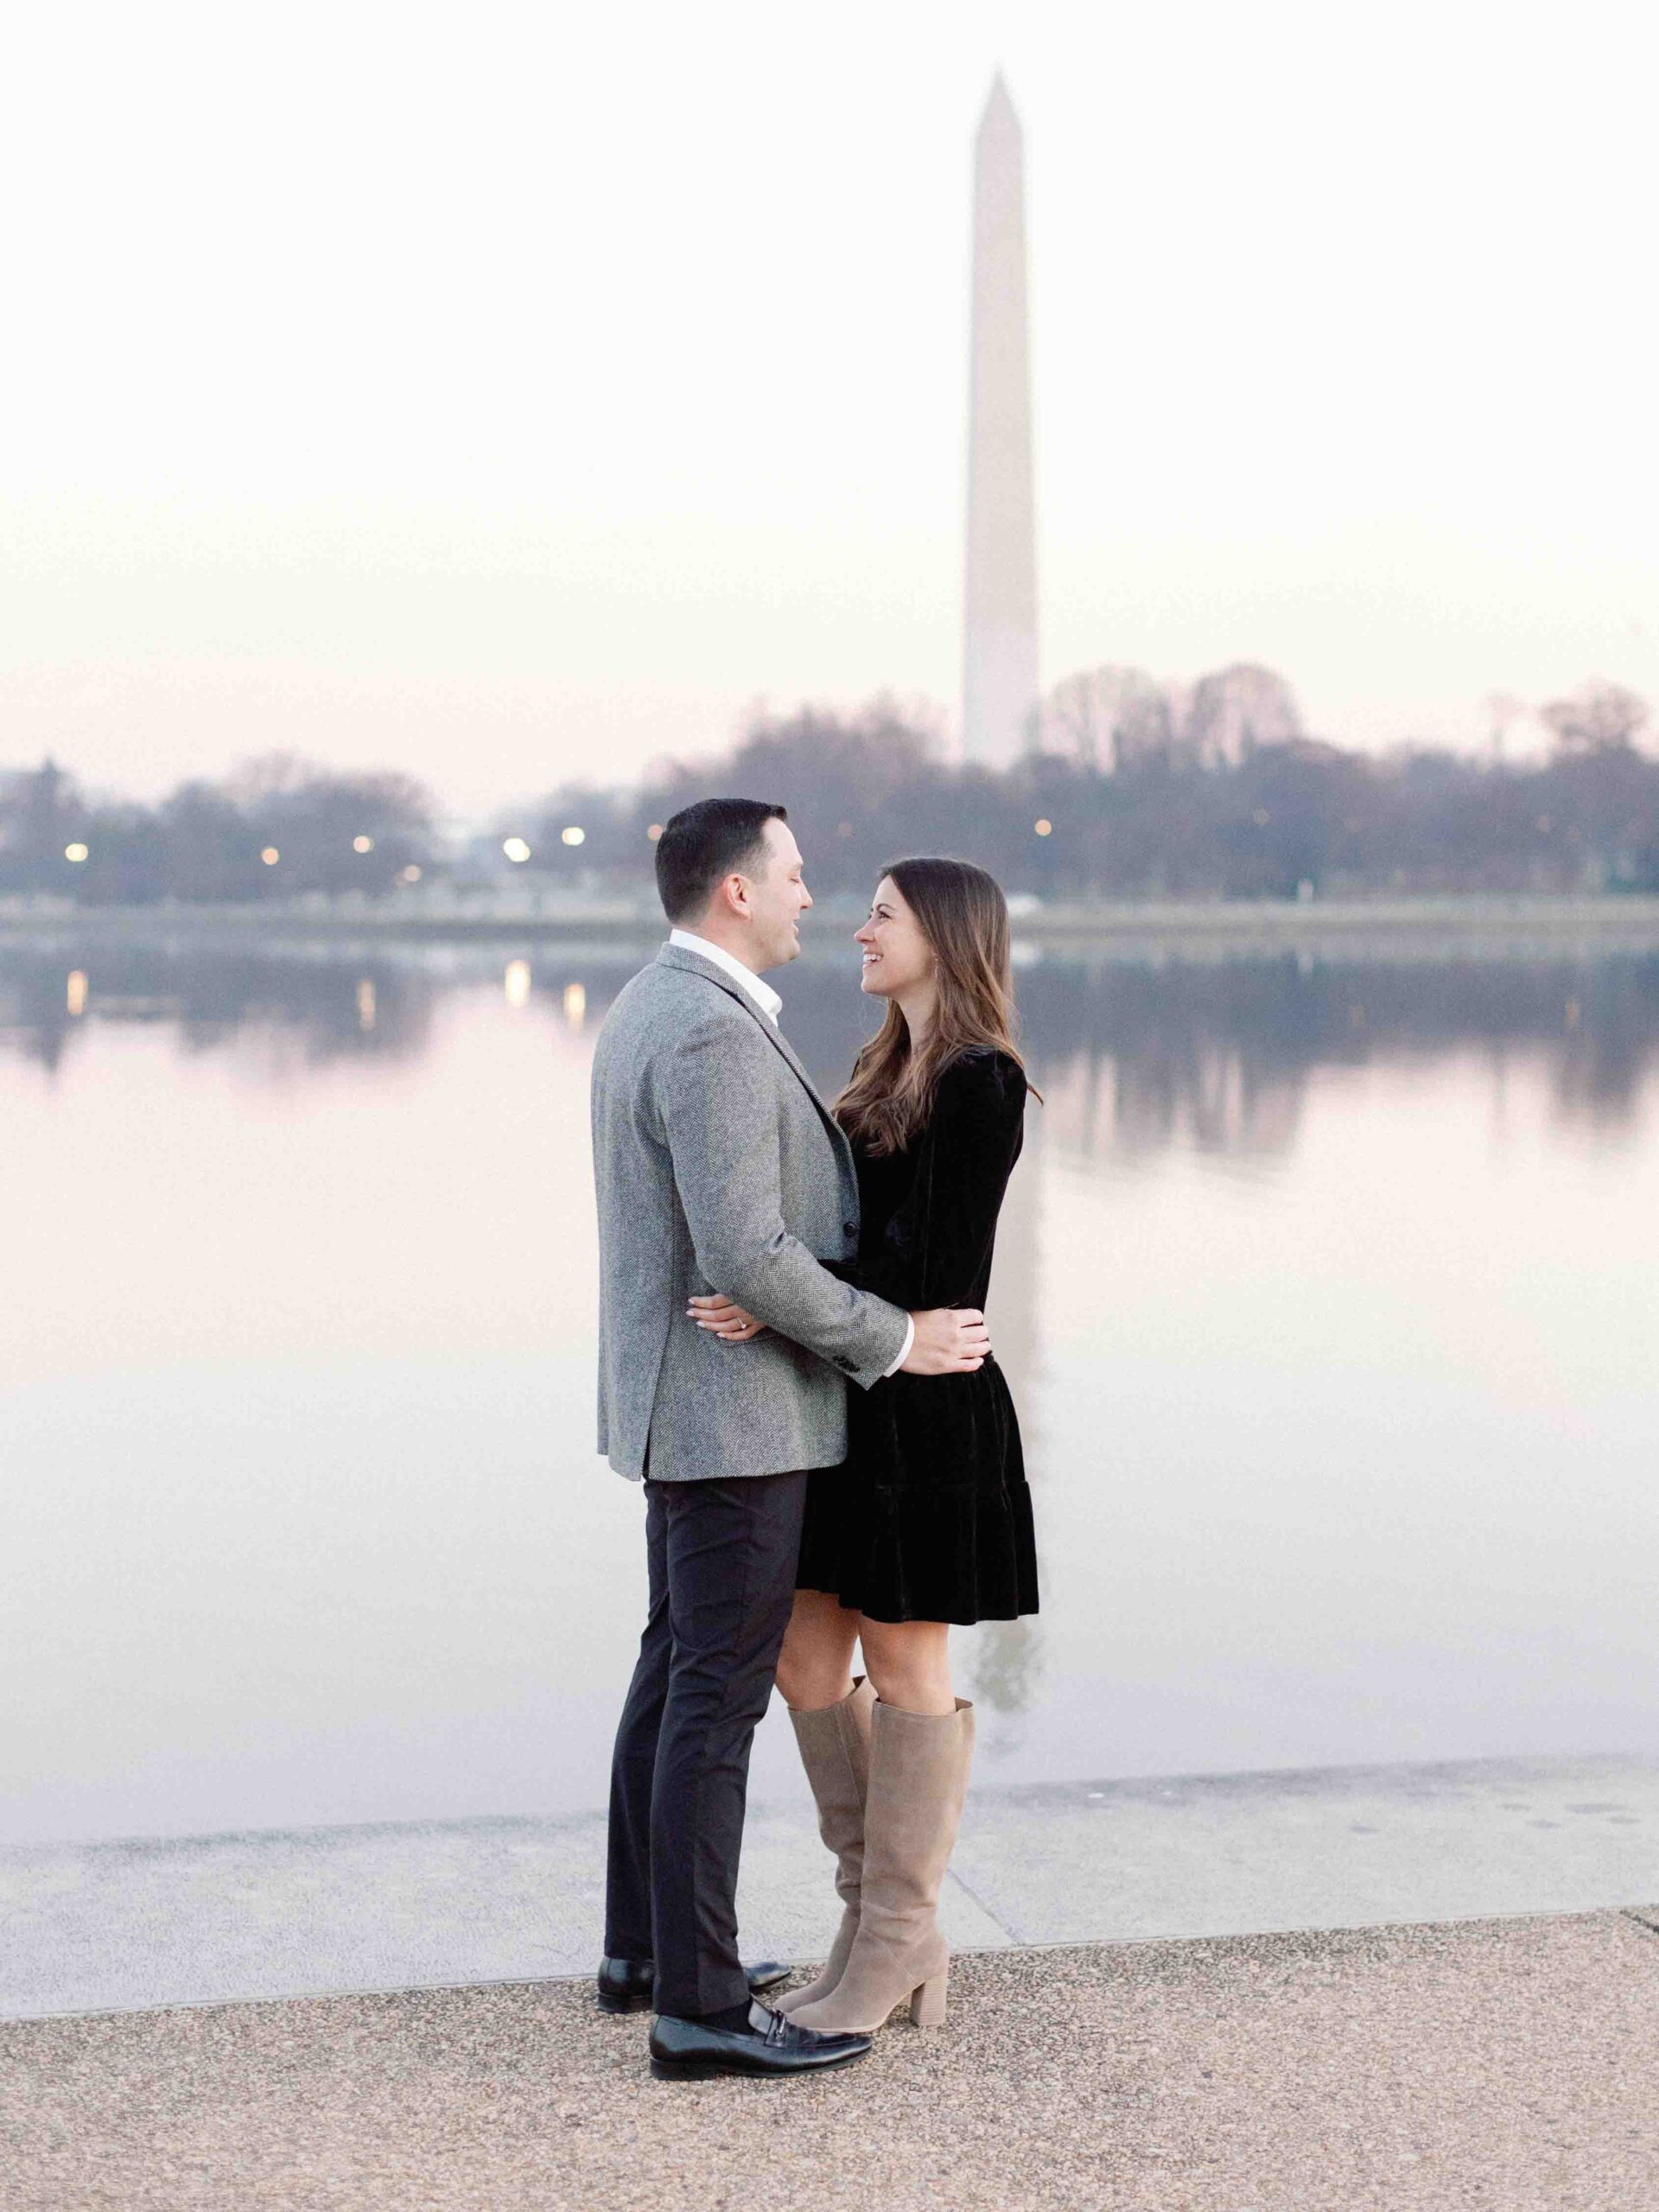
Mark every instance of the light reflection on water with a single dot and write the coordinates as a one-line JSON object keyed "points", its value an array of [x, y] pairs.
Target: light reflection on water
{"points": [[1323, 1290]]}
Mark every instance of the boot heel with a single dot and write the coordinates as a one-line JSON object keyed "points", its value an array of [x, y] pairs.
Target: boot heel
{"points": [[927, 2003]]}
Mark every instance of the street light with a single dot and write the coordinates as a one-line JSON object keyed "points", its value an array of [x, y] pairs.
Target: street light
{"points": [[572, 836], [270, 856], [409, 874], [1044, 828], [75, 852], [362, 844], [516, 849]]}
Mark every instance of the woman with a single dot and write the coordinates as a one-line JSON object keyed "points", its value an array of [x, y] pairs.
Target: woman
{"points": [[928, 1521]]}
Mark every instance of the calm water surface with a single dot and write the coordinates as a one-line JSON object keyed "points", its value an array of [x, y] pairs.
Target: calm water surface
{"points": [[1327, 1294]]}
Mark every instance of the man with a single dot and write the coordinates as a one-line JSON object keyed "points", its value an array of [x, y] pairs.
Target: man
{"points": [[718, 1167]]}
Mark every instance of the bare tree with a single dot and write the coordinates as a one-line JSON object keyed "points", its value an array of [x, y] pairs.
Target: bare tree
{"points": [[1599, 718], [1108, 717], [1236, 709]]}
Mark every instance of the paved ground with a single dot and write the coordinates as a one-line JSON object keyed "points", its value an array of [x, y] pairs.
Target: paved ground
{"points": [[92, 1926], [1398, 2052], [1504, 2065]]}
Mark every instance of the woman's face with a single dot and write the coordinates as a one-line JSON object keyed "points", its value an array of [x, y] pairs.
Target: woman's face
{"points": [[897, 957]]}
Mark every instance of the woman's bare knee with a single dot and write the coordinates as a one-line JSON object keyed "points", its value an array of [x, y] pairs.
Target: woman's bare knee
{"points": [[909, 1663], [815, 1665]]}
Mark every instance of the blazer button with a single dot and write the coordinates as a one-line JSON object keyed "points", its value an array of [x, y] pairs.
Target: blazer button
{"points": [[850, 1227]]}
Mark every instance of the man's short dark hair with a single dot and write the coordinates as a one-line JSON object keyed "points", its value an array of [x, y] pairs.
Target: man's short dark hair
{"points": [[702, 844]]}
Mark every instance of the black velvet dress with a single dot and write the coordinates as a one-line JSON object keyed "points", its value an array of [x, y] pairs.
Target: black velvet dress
{"points": [[929, 1517]]}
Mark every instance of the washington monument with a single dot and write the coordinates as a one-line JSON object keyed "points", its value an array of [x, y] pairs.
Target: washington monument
{"points": [[999, 677]]}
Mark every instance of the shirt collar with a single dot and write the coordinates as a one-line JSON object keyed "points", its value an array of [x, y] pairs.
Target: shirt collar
{"points": [[762, 993]]}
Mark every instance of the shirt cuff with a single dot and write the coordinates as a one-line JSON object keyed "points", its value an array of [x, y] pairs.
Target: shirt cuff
{"points": [[904, 1350]]}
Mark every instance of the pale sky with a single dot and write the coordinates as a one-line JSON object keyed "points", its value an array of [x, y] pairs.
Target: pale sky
{"points": [[511, 393]]}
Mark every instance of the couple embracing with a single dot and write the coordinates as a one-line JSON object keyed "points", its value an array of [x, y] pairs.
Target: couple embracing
{"points": [[794, 1360]]}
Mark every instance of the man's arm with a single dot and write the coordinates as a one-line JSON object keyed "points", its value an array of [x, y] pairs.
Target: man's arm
{"points": [[713, 1091]]}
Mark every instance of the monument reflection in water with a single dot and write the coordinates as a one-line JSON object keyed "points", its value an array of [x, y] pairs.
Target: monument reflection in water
{"points": [[1323, 1290]]}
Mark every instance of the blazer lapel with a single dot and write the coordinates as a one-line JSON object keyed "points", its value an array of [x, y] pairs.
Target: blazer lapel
{"points": [[676, 956]]}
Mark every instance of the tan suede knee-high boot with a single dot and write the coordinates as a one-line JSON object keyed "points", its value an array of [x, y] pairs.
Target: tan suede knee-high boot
{"points": [[918, 1778], [834, 1744]]}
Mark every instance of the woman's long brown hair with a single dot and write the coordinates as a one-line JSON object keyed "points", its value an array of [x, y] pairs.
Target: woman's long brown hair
{"points": [[964, 919]]}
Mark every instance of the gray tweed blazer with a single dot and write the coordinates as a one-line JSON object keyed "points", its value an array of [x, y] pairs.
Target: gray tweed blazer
{"points": [[718, 1167]]}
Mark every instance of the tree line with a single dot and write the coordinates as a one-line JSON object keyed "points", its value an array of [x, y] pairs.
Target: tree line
{"points": [[274, 827], [1162, 819], [1285, 817]]}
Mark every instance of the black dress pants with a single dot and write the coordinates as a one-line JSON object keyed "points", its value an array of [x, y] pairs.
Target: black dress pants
{"points": [[721, 1557]]}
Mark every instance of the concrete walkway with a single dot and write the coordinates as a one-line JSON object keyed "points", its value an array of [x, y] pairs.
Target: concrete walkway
{"points": [[104, 1926], [1507, 2065], [1459, 2008]]}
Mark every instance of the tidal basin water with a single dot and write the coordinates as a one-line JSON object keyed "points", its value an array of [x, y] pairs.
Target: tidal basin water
{"points": [[1327, 1293]]}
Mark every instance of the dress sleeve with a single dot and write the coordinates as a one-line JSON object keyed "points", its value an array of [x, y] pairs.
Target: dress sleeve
{"points": [[936, 1246]]}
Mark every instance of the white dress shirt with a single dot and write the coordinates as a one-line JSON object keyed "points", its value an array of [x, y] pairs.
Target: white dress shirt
{"points": [[762, 993], [770, 1004]]}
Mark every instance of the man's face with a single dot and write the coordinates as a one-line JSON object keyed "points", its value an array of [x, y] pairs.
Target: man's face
{"points": [[777, 898]]}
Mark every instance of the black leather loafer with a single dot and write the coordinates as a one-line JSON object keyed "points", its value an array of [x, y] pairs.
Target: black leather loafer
{"points": [[771, 2045], [625, 1984]]}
